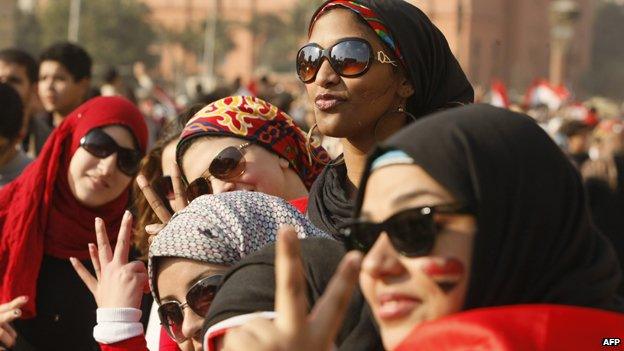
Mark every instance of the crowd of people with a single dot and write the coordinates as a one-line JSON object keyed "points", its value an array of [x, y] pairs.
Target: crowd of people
{"points": [[392, 213]]}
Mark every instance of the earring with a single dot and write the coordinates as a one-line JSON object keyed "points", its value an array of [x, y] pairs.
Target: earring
{"points": [[400, 109], [312, 155]]}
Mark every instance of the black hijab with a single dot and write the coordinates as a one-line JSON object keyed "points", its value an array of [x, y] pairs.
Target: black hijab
{"points": [[250, 287], [438, 81], [535, 241]]}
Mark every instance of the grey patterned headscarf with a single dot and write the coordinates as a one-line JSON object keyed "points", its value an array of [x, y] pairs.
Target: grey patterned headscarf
{"points": [[223, 228]]}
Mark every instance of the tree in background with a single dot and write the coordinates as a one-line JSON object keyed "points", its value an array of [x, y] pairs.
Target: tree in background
{"points": [[114, 32], [192, 38], [606, 76], [278, 37]]}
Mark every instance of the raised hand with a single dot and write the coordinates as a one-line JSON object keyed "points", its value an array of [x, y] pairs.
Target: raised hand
{"points": [[117, 282], [179, 202], [9, 312], [293, 328]]}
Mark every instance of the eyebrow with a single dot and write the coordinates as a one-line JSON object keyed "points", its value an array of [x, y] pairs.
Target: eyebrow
{"points": [[414, 194]]}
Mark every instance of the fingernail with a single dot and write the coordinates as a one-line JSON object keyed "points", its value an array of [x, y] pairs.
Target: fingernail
{"points": [[17, 312], [141, 181], [24, 298], [98, 220], [127, 214], [91, 247], [73, 259]]}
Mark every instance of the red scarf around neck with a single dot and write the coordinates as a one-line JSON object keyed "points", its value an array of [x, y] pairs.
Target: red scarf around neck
{"points": [[38, 212]]}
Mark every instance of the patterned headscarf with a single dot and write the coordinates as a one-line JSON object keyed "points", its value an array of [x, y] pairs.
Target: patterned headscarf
{"points": [[262, 123], [223, 228], [369, 16]]}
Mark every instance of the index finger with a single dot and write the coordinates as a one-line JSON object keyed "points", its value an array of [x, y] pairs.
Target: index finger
{"points": [[290, 299], [15, 303], [153, 199], [104, 249], [180, 200], [122, 248]]}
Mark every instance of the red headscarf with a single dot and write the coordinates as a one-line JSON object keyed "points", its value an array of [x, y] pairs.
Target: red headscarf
{"points": [[38, 212]]}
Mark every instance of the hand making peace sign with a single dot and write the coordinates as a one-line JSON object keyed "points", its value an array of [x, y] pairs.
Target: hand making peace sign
{"points": [[293, 328], [117, 282], [156, 203]]}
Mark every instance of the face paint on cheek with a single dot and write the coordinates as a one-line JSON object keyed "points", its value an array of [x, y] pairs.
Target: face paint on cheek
{"points": [[447, 272]]}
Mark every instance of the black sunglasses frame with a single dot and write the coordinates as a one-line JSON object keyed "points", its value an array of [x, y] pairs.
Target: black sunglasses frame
{"points": [[105, 145], [401, 243], [214, 279], [382, 57]]}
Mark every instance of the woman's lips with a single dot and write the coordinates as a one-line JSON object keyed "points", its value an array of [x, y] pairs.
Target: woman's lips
{"points": [[396, 306], [326, 102]]}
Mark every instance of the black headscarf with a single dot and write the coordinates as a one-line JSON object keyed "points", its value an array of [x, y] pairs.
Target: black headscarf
{"points": [[438, 81], [535, 241], [250, 287]]}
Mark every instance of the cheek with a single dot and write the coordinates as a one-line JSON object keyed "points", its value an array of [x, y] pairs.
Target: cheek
{"points": [[80, 163], [446, 272]]}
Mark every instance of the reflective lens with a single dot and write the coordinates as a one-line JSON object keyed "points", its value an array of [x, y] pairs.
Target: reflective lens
{"points": [[349, 58], [308, 62], [101, 145], [228, 164]]}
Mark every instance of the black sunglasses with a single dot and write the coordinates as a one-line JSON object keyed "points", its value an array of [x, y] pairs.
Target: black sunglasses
{"points": [[228, 164], [412, 232], [198, 299], [349, 57], [101, 145]]}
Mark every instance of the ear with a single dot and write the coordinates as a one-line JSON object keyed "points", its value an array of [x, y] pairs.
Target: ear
{"points": [[405, 88], [284, 163]]}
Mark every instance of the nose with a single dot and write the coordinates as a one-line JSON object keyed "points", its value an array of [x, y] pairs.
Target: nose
{"points": [[326, 76], [108, 165], [382, 261], [192, 324], [45, 84]]}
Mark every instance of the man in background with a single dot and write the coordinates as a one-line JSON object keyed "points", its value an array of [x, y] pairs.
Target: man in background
{"points": [[12, 158], [19, 70], [64, 81]]}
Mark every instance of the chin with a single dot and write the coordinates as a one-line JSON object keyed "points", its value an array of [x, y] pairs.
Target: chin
{"points": [[392, 337]]}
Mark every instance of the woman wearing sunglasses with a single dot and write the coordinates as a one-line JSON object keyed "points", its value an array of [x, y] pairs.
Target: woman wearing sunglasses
{"points": [[369, 68], [186, 262], [46, 215], [490, 214], [245, 143]]}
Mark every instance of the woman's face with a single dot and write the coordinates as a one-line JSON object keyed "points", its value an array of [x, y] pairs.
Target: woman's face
{"points": [[175, 277], [97, 181], [264, 171], [402, 291], [349, 107]]}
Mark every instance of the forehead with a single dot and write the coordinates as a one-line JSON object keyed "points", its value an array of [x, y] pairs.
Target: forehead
{"points": [[52, 67], [121, 135], [12, 69], [417, 188], [338, 23]]}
